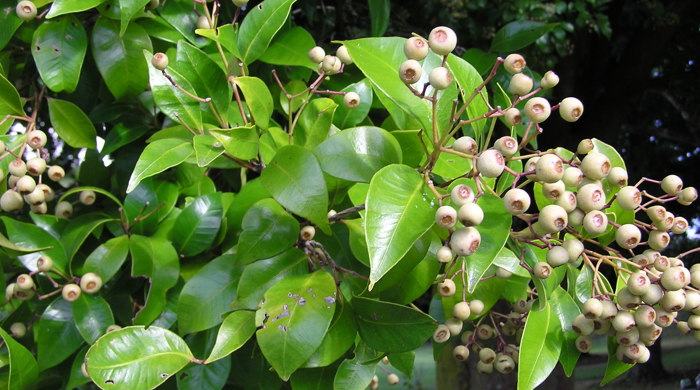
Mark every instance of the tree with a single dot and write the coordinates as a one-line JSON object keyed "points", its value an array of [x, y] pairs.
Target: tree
{"points": [[255, 203]]}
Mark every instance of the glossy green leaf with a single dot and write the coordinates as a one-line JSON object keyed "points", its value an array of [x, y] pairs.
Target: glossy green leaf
{"points": [[61, 7], [396, 275], [313, 378], [258, 98], [10, 103], [57, 58], [403, 362], [267, 230], [564, 307], [92, 316], [418, 280], [204, 376], [391, 328], [181, 17], [399, 209], [9, 23], [584, 285], [339, 338], [71, 124], [78, 230], [156, 259], [356, 373], [157, 157], [119, 56], [614, 368], [108, 258], [298, 311], [150, 196], [12, 247], [290, 49], [379, 12], [315, 122], [31, 236], [259, 27], [518, 34], [237, 328], [226, 35], [295, 179], [98, 190], [540, 347], [136, 358], [348, 117], [196, 226], [239, 142], [57, 337], [494, 232], [357, 154], [207, 296], [174, 103], [206, 149], [127, 10], [261, 275], [468, 79], [24, 370]]}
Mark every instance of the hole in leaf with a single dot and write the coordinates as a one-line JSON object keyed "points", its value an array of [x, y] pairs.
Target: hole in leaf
{"points": [[109, 382], [260, 7], [164, 375]]}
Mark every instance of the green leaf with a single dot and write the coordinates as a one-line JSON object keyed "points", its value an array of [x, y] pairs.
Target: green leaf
{"points": [[12, 247], [357, 154], [290, 49], [267, 231], [181, 17], [92, 316], [313, 378], [518, 34], [339, 338], [119, 56], [78, 230], [108, 258], [127, 10], [206, 149], [159, 156], [156, 259], [379, 13], [56, 334], [566, 310], [76, 377], [58, 58], [468, 79], [399, 209], [348, 117], [71, 124], [240, 142], [237, 328], [494, 233], [258, 98], [298, 311], [24, 370], [540, 347], [614, 368], [356, 374], [225, 35], [61, 7], [403, 362], [295, 179], [10, 103], [174, 103], [31, 236], [150, 196], [136, 358], [391, 328], [261, 275], [204, 376], [259, 27], [207, 296], [98, 190], [315, 122], [9, 23], [196, 226]]}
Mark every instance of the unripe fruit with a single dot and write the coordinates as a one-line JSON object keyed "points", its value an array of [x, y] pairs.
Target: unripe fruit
{"points": [[447, 288], [683, 327], [595, 165], [609, 310], [649, 334], [10, 292], [331, 64], [240, 3], [590, 197], [658, 240], [440, 78], [484, 368], [664, 318], [673, 301], [680, 225], [549, 168], [18, 330], [674, 278], [595, 222], [307, 233], [537, 109], [520, 84], [542, 270], [343, 55], [71, 292], [460, 353], [461, 194], [466, 336], [470, 214], [574, 248], [503, 273], [442, 40], [160, 61], [36, 166], [17, 168], [570, 109], [530, 166], [692, 300], [441, 334], [666, 223], [585, 146], [672, 184], [549, 80], [628, 236], [656, 213], [465, 241], [490, 163], [516, 201], [576, 217], [203, 23], [592, 308], [617, 177], [638, 283], [316, 54], [487, 355], [351, 99], [24, 282], [654, 295], [687, 196], [91, 283], [623, 321], [645, 316], [10, 201], [56, 173], [572, 177], [512, 116], [44, 263], [507, 145], [455, 326], [584, 343], [627, 338], [444, 254], [553, 218], [695, 278], [514, 63], [64, 209], [557, 256], [629, 198], [694, 322], [410, 71], [652, 255], [627, 300], [504, 364], [36, 139], [465, 144], [461, 310], [567, 199], [446, 217], [582, 325], [87, 197], [416, 48], [476, 306], [26, 10], [25, 184]]}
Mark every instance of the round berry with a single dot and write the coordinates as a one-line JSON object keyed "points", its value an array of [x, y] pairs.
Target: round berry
{"points": [[572, 177], [18, 330], [484, 368], [71, 292], [537, 109], [465, 241], [91, 283], [516, 201], [17, 167], [520, 84], [461, 310], [658, 240], [507, 145], [343, 55], [465, 144], [36, 166], [567, 199], [512, 117], [629, 198], [203, 23], [638, 283], [307, 233], [617, 177], [392, 379], [549, 168], [10, 201], [570, 109], [553, 218], [672, 184], [476, 306], [410, 71], [687, 196], [549, 80], [316, 54], [416, 48], [576, 217], [592, 308], [26, 10], [447, 288], [514, 63], [628, 236], [36, 139], [574, 248], [595, 165], [470, 214], [590, 197], [487, 355], [440, 78], [442, 40], [64, 209], [490, 163], [25, 184], [446, 217], [454, 325], [39, 208], [441, 334], [44, 263], [585, 146], [673, 301], [557, 255], [675, 278], [542, 270], [595, 222], [351, 99], [680, 225], [24, 282], [645, 316], [462, 194], [627, 300], [460, 353], [160, 61], [623, 321], [584, 344], [331, 64], [444, 254], [582, 325], [56, 173], [87, 197]]}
